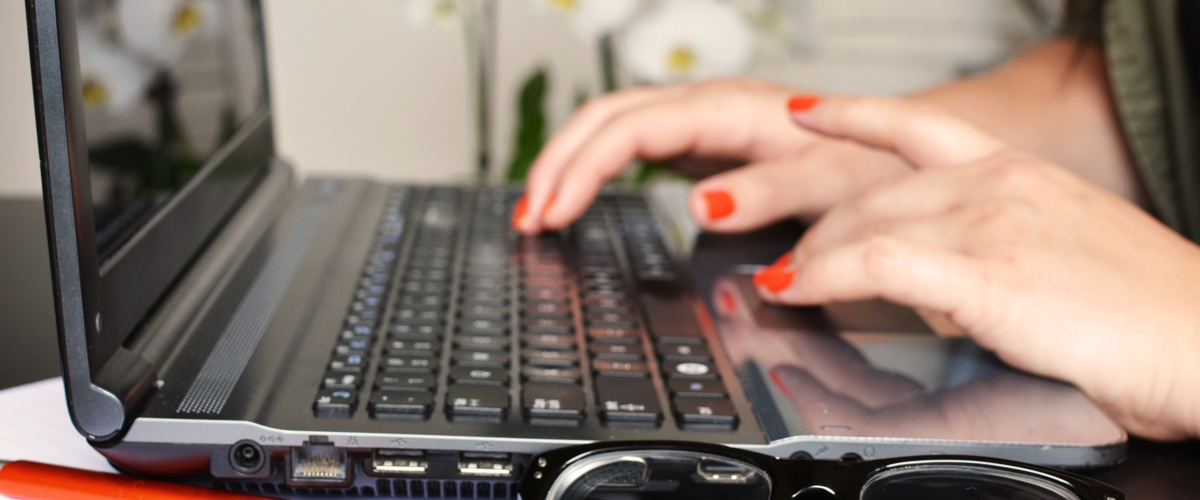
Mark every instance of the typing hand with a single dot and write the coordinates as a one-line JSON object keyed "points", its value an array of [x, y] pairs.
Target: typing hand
{"points": [[703, 129], [1055, 275]]}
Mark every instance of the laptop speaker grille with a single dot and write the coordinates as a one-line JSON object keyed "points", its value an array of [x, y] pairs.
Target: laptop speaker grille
{"points": [[225, 364]]}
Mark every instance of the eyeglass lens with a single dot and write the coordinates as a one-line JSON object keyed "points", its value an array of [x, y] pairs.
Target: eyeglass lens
{"points": [[660, 475], [961, 482]]}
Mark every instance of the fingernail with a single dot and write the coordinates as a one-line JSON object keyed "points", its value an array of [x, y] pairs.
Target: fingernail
{"points": [[719, 204], [520, 213], [783, 261], [774, 280], [549, 204], [803, 102]]}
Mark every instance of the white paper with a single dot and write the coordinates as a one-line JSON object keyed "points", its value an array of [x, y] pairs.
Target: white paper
{"points": [[34, 425]]}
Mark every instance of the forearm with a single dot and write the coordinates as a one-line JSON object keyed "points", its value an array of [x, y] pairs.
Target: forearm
{"points": [[1053, 101]]}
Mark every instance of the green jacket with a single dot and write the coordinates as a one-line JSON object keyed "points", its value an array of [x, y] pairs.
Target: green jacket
{"points": [[1153, 98]]}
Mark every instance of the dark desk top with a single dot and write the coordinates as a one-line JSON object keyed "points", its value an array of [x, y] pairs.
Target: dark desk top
{"points": [[1152, 471]]}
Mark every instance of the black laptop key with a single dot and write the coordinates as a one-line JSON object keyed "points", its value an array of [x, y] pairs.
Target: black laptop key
{"points": [[477, 401], [552, 341], [352, 363], [482, 342], [335, 403], [549, 310], [408, 316], [425, 348], [422, 301], [624, 399], [341, 380], [696, 388], [615, 335], [551, 374], [685, 352], [689, 369], [405, 382], [472, 312], [547, 325], [416, 332], [611, 368], [617, 352], [478, 376], [479, 359], [356, 345], [384, 404], [408, 364], [483, 327], [548, 357], [553, 401], [705, 413]]}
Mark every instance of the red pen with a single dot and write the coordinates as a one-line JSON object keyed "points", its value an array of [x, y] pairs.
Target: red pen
{"points": [[35, 481]]}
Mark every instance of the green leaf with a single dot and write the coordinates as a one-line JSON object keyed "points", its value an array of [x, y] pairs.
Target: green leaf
{"points": [[531, 124]]}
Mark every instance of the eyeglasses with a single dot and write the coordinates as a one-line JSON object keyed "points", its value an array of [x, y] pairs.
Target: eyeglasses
{"points": [[697, 471]]}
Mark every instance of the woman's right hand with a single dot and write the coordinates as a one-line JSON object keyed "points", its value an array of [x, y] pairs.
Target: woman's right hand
{"points": [[703, 129]]}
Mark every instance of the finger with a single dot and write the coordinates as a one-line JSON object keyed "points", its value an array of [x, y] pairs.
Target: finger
{"points": [[804, 185], [924, 135], [547, 169], [701, 127], [889, 203], [907, 273]]}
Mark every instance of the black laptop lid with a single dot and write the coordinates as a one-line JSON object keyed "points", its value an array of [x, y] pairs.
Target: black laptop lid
{"points": [[153, 125]]}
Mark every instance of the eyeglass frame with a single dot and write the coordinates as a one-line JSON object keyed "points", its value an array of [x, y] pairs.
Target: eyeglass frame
{"points": [[791, 477]]}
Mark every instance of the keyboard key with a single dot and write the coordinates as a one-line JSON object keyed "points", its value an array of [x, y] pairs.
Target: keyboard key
{"points": [[483, 327], [685, 352], [483, 312], [544, 357], [405, 382], [548, 341], [478, 376], [623, 399], [341, 380], [608, 368], [408, 364], [428, 332], [556, 375], [410, 316], [615, 335], [385, 404], [422, 348], [352, 363], [553, 401], [689, 369], [335, 403], [617, 352], [477, 401], [482, 342], [547, 325], [550, 310], [705, 413], [694, 388], [480, 359], [358, 345]]}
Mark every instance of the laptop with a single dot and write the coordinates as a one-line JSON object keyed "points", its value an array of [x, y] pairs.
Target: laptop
{"points": [[220, 319]]}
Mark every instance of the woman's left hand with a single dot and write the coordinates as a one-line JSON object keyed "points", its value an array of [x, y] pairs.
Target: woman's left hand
{"points": [[1056, 275]]}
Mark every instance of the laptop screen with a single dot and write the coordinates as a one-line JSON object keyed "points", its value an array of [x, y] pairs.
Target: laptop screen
{"points": [[166, 83]]}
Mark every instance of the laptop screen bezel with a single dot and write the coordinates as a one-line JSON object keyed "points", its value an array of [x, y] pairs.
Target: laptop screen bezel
{"points": [[107, 301]]}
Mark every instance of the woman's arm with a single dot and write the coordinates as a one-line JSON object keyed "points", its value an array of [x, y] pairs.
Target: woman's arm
{"points": [[1054, 101]]}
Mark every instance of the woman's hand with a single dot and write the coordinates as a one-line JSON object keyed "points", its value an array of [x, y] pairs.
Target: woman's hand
{"points": [[703, 128], [1056, 275]]}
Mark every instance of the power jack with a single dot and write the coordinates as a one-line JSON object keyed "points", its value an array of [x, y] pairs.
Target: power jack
{"points": [[247, 457]]}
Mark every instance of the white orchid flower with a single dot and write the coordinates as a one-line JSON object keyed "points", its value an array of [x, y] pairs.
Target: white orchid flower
{"points": [[437, 12], [687, 40], [112, 79], [591, 19], [158, 30]]}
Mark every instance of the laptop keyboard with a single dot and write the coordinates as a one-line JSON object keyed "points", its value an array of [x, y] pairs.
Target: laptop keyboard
{"points": [[486, 323]]}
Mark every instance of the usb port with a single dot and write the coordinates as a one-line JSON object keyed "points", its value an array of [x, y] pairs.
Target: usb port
{"points": [[318, 465], [388, 462], [485, 464]]}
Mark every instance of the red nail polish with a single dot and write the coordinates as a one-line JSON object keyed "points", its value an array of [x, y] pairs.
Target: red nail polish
{"points": [[774, 280], [549, 204], [803, 102], [784, 260], [719, 204], [520, 213]]}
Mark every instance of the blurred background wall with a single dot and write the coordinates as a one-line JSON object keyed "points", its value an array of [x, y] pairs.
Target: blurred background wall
{"points": [[360, 88]]}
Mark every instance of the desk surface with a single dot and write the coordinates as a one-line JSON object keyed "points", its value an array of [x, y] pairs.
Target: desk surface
{"points": [[1152, 471]]}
